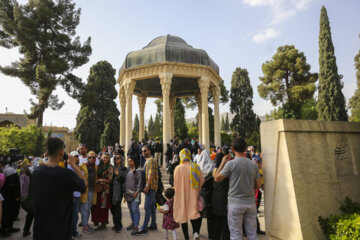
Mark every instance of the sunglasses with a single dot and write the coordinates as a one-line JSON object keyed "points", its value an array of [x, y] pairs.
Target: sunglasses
{"points": [[91, 157], [118, 157], [144, 150]]}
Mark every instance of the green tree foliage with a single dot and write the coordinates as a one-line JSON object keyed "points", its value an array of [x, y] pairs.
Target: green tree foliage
{"points": [[24, 138], [241, 95], [181, 129], [151, 130], [44, 32], [306, 110], [211, 124], [354, 103], [158, 125], [227, 123], [193, 131], [226, 138], [331, 101], [190, 102], [344, 226], [222, 124], [136, 124], [287, 80], [97, 123]]}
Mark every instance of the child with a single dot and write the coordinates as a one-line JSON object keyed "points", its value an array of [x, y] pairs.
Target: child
{"points": [[168, 219]]}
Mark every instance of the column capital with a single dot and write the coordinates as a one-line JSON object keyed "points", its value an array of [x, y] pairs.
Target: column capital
{"points": [[129, 86], [165, 81], [142, 100], [204, 83], [216, 94]]}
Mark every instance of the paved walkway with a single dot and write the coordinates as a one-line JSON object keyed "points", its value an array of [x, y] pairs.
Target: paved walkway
{"points": [[108, 234]]}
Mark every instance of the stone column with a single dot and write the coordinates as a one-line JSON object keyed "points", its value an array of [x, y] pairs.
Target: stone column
{"points": [[204, 83], [198, 101], [122, 116], [129, 86], [172, 108], [216, 97], [165, 80], [142, 101]]}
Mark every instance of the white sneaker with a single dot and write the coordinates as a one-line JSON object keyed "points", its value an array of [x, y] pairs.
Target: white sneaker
{"points": [[196, 236]]}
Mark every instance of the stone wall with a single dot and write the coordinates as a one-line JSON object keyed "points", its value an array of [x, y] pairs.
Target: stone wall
{"points": [[309, 169]]}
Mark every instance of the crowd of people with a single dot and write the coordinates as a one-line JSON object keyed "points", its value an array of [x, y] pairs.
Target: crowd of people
{"points": [[60, 192]]}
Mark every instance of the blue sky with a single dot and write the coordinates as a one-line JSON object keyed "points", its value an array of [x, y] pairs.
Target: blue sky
{"points": [[242, 33]]}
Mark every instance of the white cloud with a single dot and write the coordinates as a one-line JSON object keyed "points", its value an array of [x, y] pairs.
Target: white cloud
{"points": [[281, 10], [266, 35]]}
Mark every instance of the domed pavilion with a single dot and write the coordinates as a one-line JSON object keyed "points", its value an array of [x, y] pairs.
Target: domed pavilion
{"points": [[169, 68]]}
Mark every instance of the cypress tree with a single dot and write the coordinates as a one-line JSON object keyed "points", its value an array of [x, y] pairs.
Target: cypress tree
{"points": [[241, 104], [354, 103], [136, 124], [151, 126], [331, 101], [179, 120], [227, 123], [97, 123], [222, 123]]}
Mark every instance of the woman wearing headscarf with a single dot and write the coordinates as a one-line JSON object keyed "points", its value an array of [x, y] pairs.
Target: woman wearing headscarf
{"points": [[11, 194], [207, 166], [220, 230], [117, 191], [188, 180], [100, 211]]}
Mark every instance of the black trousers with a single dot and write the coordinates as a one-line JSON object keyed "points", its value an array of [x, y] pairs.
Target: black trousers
{"points": [[220, 228], [28, 221], [117, 216], [196, 224], [9, 211]]}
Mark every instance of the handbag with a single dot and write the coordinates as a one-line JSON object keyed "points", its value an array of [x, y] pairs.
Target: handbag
{"points": [[200, 203]]}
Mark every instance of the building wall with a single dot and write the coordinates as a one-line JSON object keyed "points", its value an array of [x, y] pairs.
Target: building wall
{"points": [[309, 169]]}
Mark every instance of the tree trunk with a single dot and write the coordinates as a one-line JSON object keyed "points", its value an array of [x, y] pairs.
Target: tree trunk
{"points": [[40, 119]]}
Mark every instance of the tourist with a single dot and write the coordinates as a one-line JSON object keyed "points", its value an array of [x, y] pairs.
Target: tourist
{"points": [[151, 179], [213, 154], [258, 193], [188, 180], [12, 195], [52, 189], [25, 179], [88, 198], [197, 156], [169, 223], [220, 230], [207, 166], [117, 191], [243, 177], [76, 199], [100, 211], [168, 155], [82, 153], [133, 194], [158, 149]]}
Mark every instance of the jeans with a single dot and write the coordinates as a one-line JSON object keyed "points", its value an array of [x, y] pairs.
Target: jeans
{"points": [[75, 215], [134, 212], [236, 215], [85, 209], [150, 209], [117, 216]]}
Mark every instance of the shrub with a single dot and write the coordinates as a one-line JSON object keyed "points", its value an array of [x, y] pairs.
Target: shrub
{"points": [[344, 226]]}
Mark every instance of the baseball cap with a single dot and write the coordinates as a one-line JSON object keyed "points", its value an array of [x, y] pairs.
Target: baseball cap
{"points": [[74, 153]]}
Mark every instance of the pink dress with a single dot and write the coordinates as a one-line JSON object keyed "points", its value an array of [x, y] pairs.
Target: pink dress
{"points": [[168, 219]]}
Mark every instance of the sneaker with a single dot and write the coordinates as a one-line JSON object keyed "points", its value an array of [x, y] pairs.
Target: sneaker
{"points": [[86, 229], [130, 227], [77, 235], [90, 229], [134, 231], [118, 230], [142, 232], [260, 232], [196, 236], [153, 228], [96, 223]]}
